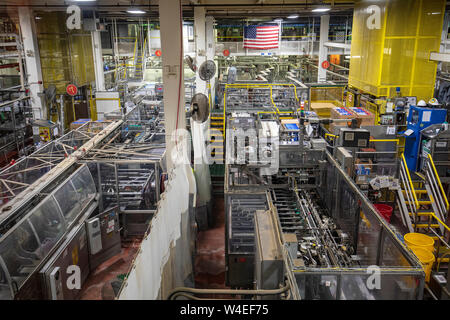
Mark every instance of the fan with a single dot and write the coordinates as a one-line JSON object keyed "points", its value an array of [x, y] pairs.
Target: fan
{"points": [[207, 70], [200, 108], [190, 62]]}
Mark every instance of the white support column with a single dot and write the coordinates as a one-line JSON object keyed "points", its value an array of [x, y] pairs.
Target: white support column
{"points": [[200, 48], [323, 50], [149, 40], [211, 51], [186, 39], [170, 17], [98, 61], [32, 61]]}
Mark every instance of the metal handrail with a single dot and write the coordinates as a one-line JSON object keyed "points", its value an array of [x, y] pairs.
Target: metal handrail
{"points": [[411, 204], [440, 221], [430, 159], [410, 181]]}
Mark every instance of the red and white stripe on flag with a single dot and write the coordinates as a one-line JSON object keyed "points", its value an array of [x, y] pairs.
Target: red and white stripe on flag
{"points": [[261, 37]]}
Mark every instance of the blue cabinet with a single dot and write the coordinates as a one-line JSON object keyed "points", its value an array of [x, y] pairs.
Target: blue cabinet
{"points": [[419, 118]]}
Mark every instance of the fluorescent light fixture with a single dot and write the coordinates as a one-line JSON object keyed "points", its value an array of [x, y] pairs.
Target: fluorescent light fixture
{"points": [[38, 18], [321, 10], [135, 11], [293, 16], [278, 20]]}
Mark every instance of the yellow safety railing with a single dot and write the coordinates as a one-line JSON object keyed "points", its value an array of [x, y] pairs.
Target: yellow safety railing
{"points": [[410, 181], [259, 86], [438, 181], [440, 221], [385, 140]]}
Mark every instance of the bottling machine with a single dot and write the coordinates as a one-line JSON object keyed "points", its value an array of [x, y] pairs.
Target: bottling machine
{"points": [[331, 234]]}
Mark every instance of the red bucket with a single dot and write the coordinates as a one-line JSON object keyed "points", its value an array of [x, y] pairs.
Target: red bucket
{"points": [[384, 210]]}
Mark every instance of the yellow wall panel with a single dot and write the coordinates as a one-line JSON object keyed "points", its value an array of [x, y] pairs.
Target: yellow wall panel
{"points": [[66, 55], [397, 53]]}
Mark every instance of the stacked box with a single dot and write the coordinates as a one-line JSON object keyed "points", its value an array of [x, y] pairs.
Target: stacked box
{"points": [[340, 113], [367, 118]]}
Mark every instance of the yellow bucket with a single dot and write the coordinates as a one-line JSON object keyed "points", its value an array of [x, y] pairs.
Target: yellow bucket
{"points": [[419, 240], [427, 259]]}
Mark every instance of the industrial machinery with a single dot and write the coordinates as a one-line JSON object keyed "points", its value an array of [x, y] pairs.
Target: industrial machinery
{"points": [[105, 179], [435, 141], [128, 168], [330, 231], [418, 119]]}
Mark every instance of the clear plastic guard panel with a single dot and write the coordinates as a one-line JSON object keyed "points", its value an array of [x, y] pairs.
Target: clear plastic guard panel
{"points": [[24, 246], [5, 291], [20, 252], [320, 286], [69, 201], [73, 195], [368, 237], [391, 286], [84, 184], [346, 215], [390, 253], [359, 285], [48, 223]]}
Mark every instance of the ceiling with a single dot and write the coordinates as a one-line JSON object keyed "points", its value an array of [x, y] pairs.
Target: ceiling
{"points": [[217, 8]]}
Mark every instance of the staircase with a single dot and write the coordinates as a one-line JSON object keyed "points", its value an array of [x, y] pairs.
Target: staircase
{"points": [[423, 204], [139, 56], [217, 137], [138, 70]]}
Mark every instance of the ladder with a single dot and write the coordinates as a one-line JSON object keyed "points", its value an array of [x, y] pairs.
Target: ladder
{"points": [[423, 204], [139, 56], [217, 136]]}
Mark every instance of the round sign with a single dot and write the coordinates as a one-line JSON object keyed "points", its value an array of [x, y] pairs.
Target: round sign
{"points": [[71, 89], [325, 64], [158, 53], [226, 52]]}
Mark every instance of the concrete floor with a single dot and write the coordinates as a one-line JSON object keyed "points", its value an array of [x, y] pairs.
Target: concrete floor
{"points": [[98, 285]]}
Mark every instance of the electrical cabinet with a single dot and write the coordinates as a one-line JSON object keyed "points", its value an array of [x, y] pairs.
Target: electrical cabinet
{"points": [[419, 118], [103, 236]]}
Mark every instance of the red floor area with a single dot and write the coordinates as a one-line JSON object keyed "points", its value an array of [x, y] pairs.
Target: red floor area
{"points": [[98, 285], [210, 258], [209, 262]]}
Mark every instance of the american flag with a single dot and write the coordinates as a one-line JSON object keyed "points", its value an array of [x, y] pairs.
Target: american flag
{"points": [[261, 37]]}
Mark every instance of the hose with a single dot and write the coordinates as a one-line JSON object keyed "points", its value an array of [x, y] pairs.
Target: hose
{"points": [[190, 297], [227, 291]]}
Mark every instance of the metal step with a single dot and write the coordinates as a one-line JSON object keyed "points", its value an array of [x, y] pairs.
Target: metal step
{"points": [[421, 202], [426, 225], [418, 191], [420, 175], [422, 214]]}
